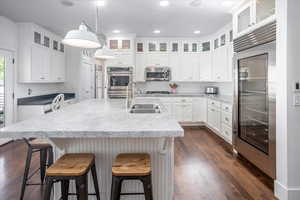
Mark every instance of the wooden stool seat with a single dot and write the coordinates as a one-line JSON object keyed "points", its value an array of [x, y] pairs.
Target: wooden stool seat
{"points": [[71, 165], [137, 164], [36, 143]]}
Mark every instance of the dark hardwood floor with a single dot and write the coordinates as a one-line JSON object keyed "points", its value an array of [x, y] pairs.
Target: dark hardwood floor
{"points": [[205, 170]]}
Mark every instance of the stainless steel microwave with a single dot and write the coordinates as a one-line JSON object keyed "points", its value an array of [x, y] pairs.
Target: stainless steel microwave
{"points": [[157, 74]]}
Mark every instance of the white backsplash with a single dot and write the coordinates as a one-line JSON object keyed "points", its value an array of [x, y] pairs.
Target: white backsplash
{"points": [[225, 88]]}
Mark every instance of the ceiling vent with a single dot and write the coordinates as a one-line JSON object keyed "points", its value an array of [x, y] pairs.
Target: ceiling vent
{"points": [[260, 36]]}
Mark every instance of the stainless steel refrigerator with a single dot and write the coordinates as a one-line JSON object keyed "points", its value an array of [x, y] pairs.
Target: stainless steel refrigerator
{"points": [[254, 118]]}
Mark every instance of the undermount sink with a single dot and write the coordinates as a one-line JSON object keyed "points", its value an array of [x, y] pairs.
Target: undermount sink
{"points": [[145, 108]]}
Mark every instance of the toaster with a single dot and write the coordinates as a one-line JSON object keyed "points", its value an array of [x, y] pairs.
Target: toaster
{"points": [[211, 90]]}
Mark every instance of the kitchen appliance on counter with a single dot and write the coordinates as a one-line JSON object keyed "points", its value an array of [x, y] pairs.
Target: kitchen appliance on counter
{"points": [[157, 74], [119, 81], [211, 90], [254, 119]]}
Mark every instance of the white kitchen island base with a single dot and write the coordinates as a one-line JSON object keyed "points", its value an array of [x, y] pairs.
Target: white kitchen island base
{"points": [[106, 149]]}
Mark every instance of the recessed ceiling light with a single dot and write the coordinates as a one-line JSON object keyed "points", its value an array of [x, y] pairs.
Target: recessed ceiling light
{"points": [[227, 3], [197, 32], [116, 31], [156, 31], [164, 3], [100, 3], [67, 3]]}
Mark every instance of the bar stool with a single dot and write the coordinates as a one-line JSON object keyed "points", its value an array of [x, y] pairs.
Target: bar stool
{"points": [[45, 149], [130, 166], [73, 166]]}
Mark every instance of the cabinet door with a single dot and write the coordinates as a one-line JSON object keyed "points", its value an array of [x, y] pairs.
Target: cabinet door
{"points": [[206, 66], [175, 64], [187, 112], [177, 112], [125, 59], [140, 64], [169, 109], [58, 67], [263, 9], [200, 110], [214, 118], [187, 68], [40, 64], [244, 17], [220, 63], [157, 59]]}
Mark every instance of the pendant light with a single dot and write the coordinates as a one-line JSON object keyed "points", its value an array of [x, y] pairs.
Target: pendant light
{"points": [[82, 38], [103, 52]]}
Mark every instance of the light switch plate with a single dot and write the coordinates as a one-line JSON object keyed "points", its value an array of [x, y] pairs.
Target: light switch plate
{"points": [[296, 99]]}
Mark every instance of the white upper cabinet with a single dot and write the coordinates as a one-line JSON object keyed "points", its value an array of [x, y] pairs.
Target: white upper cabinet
{"points": [[157, 59], [251, 15], [41, 55], [140, 64], [206, 62], [40, 64], [220, 64]]}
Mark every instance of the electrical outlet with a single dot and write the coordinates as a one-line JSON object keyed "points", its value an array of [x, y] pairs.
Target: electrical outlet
{"points": [[296, 99]]}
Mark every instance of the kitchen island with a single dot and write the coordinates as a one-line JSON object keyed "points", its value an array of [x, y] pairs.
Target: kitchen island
{"points": [[106, 128]]}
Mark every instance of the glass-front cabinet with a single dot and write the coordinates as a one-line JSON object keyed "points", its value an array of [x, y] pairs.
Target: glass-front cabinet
{"points": [[252, 14]]}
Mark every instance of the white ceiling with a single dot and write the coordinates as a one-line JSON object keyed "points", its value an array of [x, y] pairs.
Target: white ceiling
{"points": [[180, 19]]}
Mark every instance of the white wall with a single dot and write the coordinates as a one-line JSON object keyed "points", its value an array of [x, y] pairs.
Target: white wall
{"points": [[287, 185]]}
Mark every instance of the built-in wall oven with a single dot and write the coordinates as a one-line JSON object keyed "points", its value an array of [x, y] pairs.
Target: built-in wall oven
{"points": [[254, 119], [119, 81], [157, 74]]}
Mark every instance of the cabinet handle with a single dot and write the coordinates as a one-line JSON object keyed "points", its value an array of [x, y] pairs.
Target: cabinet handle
{"points": [[42, 78]]}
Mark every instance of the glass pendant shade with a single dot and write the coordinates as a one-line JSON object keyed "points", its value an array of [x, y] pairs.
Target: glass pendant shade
{"points": [[103, 54], [82, 38]]}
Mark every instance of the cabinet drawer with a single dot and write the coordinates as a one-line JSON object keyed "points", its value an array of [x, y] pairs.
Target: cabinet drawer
{"points": [[227, 133], [214, 103], [227, 107], [227, 118]]}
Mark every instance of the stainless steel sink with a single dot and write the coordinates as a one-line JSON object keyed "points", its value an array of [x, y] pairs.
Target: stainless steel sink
{"points": [[145, 108]]}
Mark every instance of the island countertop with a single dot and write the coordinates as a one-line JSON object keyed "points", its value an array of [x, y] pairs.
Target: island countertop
{"points": [[95, 119]]}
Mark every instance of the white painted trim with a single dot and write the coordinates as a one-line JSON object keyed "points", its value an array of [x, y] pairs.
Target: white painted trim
{"points": [[284, 193]]}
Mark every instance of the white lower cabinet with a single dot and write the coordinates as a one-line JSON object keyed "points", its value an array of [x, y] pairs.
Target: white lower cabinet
{"points": [[183, 112], [214, 118], [200, 110]]}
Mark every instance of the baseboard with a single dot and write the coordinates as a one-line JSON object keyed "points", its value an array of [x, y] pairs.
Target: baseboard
{"points": [[192, 123], [284, 193]]}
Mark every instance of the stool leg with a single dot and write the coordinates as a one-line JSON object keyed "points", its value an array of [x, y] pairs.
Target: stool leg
{"points": [[43, 163], [25, 176], [64, 189], [116, 186], [82, 187], [147, 182], [50, 156], [49, 183], [95, 180]]}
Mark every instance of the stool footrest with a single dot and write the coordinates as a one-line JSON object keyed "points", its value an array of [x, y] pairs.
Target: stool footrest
{"points": [[133, 193]]}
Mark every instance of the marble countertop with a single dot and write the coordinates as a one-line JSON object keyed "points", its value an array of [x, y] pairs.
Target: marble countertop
{"points": [[95, 119], [222, 98]]}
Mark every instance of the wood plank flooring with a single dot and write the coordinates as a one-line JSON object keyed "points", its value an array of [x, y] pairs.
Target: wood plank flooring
{"points": [[205, 169]]}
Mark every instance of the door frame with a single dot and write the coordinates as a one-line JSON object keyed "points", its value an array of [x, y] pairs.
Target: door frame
{"points": [[9, 80]]}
